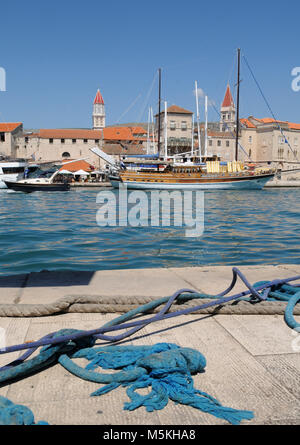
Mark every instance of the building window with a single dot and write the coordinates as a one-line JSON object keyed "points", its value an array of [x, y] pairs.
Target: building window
{"points": [[85, 141], [73, 141], [50, 141], [172, 125], [62, 141], [219, 143], [96, 141], [183, 126], [227, 143], [2, 137], [66, 154], [26, 140], [210, 142], [250, 139]]}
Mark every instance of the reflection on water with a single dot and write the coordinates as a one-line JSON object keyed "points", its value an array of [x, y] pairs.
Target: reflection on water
{"points": [[59, 231]]}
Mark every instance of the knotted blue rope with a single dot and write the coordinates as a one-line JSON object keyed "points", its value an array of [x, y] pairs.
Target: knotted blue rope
{"points": [[165, 367], [11, 414]]}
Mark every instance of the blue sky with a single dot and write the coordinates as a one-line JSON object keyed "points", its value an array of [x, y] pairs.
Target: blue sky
{"points": [[56, 54]]}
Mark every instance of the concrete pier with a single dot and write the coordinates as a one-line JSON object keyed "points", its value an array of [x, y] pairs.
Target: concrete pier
{"points": [[253, 362]]}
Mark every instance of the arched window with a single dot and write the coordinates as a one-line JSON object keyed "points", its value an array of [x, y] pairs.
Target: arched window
{"points": [[66, 154]]}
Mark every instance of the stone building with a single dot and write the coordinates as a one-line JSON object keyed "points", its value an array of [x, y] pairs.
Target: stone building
{"points": [[179, 129], [268, 140], [9, 133], [58, 144]]}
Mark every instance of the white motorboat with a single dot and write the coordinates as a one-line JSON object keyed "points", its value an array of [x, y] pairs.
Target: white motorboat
{"points": [[11, 170]]}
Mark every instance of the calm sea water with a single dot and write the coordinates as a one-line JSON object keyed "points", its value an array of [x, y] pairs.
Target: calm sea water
{"points": [[52, 231]]}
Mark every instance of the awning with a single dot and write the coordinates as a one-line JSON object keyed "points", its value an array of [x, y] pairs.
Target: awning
{"points": [[80, 173]]}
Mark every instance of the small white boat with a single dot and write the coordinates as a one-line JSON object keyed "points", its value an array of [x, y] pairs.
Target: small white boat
{"points": [[11, 170], [48, 180]]}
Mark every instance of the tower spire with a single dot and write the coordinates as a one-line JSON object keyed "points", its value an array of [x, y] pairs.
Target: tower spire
{"points": [[98, 112], [227, 111], [228, 100], [98, 98]]}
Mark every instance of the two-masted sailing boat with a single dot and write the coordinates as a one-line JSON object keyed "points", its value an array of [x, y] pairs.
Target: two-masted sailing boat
{"points": [[209, 175]]}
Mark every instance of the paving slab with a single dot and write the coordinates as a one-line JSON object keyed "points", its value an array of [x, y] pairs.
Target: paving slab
{"points": [[261, 334], [215, 279], [285, 368], [50, 286]]}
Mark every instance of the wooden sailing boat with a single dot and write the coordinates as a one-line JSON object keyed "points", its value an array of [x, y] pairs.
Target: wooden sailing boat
{"points": [[210, 176]]}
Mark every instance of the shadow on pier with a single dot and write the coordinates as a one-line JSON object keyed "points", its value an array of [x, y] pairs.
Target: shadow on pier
{"points": [[62, 278]]}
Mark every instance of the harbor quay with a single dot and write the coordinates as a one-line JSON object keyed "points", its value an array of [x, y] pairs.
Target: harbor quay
{"points": [[253, 361]]}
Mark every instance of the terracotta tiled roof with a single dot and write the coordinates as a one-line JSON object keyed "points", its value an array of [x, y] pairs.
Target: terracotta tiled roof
{"points": [[268, 120], [122, 133], [291, 125], [294, 126], [228, 100], [7, 127], [247, 123], [68, 133], [99, 98], [77, 165], [138, 130], [175, 109], [221, 134], [109, 134]]}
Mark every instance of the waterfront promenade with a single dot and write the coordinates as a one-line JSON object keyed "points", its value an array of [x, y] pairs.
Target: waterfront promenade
{"points": [[252, 363]]}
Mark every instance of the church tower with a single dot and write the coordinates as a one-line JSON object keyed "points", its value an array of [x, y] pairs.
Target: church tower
{"points": [[227, 122], [98, 112]]}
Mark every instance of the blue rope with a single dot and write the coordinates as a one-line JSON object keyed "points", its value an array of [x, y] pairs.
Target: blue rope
{"points": [[165, 367], [167, 371], [11, 414]]}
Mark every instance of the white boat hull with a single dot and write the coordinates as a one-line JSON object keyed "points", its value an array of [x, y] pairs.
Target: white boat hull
{"points": [[250, 184], [11, 177]]}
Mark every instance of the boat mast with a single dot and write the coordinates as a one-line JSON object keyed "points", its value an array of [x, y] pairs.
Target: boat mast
{"points": [[206, 101], [237, 106], [153, 130], [166, 131], [159, 103], [193, 125], [148, 130], [198, 124]]}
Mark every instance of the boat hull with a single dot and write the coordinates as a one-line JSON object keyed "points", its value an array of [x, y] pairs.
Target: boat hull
{"points": [[30, 188], [247, 183]]}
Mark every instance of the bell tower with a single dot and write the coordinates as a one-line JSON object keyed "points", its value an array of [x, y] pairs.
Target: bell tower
{"points": [[227, 122], [98, 112]]}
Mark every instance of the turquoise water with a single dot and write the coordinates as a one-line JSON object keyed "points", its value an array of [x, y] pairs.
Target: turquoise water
{"points": [[52, 231]]}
